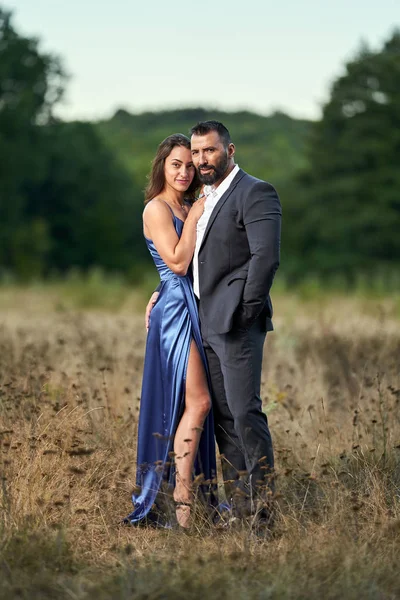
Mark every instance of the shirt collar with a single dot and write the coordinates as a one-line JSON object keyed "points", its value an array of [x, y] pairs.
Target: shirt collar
{"points": [[223, 186]]}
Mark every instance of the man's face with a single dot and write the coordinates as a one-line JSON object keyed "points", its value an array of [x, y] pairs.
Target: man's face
{"points": [[210, 157]]}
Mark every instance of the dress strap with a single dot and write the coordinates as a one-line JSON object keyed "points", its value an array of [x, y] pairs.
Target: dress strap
{"points": [[173, 214]]}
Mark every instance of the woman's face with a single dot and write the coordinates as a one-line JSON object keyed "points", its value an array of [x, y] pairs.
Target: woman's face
{"points": [[179, 170]]}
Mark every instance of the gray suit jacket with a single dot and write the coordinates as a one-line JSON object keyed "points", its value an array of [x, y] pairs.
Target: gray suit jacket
{"points": [[239, 256]]}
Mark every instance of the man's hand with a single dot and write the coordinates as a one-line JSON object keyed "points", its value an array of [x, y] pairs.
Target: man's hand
{"points": [[149, 308]]}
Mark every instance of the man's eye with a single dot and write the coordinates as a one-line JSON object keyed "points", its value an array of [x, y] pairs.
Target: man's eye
{"points": [[194, 152]]}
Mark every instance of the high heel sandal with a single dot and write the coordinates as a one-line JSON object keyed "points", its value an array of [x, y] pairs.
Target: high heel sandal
{"points": [[180, 504]]}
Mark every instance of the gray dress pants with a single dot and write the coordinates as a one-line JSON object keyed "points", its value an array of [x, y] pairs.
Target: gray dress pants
{"points": [[241, 427]]}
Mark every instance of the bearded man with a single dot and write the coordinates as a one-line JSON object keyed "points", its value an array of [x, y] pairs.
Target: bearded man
{"points": [[235, 260]]}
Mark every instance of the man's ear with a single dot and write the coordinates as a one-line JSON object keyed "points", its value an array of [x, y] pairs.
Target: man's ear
{"points": [[231, 150]]}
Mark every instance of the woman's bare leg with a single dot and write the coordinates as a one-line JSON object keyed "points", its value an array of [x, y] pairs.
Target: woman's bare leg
{"points": [[188, 433]]}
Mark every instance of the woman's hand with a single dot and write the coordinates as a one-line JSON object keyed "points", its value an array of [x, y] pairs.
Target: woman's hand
{"points": [[197, 208], [149, 307]]}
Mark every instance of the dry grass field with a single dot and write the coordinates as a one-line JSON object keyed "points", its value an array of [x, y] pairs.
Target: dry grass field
{"points": [[70, 381]]}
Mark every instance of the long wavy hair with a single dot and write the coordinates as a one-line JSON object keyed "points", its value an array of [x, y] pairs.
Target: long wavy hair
{"points": [[156, 178]]}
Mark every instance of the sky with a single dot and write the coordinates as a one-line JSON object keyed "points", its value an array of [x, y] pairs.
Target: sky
{"points": [[259, 55]]}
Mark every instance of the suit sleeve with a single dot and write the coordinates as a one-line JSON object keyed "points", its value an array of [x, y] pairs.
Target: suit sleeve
{"points": [[262, 219]]}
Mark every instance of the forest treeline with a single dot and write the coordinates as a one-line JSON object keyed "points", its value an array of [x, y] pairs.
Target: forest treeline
{"points": [[71, 193]]}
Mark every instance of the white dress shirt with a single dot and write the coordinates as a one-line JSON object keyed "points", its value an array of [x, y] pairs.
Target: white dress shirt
{"points": [[213, 194]]}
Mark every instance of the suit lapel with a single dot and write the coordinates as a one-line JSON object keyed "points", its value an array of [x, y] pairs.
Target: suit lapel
{"points": [[221, 202]]}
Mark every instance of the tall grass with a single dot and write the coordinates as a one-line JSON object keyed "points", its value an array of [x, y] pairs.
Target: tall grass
{"points": [[69, 397]]}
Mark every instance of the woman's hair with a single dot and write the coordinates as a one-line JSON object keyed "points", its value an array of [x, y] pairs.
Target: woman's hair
{"points": [[156, 178]]}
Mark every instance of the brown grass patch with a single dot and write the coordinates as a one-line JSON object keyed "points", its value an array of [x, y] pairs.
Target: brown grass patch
{"points": [[69, 392]]}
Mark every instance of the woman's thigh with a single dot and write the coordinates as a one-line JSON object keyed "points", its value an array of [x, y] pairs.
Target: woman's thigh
{"points": [[196, 380]]}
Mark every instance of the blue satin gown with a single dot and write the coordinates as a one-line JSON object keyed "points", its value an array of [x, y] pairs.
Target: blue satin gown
{"points": [[174, 323]]}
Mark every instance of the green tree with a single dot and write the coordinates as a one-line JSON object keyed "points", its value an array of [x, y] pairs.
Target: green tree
{"points": [[64, 199], [87, 201], [31, 83], [347, 215]]}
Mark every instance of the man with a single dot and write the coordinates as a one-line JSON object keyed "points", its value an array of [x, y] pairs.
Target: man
{"points": [[235, 260]]}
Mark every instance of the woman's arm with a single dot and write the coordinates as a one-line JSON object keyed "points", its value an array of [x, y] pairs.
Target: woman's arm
{"points": [[176, 252]]}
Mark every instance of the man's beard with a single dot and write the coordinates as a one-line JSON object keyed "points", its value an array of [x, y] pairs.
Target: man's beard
{"points": [[217, 171]]}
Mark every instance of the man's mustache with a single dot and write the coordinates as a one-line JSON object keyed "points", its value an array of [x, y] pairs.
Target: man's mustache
{"points": [[206, 167]]}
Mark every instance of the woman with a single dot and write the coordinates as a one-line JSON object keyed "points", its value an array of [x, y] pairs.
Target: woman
{"points": [[175, 402]]}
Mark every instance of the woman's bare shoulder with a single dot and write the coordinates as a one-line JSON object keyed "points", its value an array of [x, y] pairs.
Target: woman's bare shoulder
{"points": [[156, 208]]}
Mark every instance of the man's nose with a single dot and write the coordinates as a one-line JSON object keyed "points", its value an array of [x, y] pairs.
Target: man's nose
{"points": [[202, 158]]}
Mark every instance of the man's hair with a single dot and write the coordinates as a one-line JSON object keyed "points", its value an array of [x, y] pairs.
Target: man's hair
{"points": [[205, 127]]}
